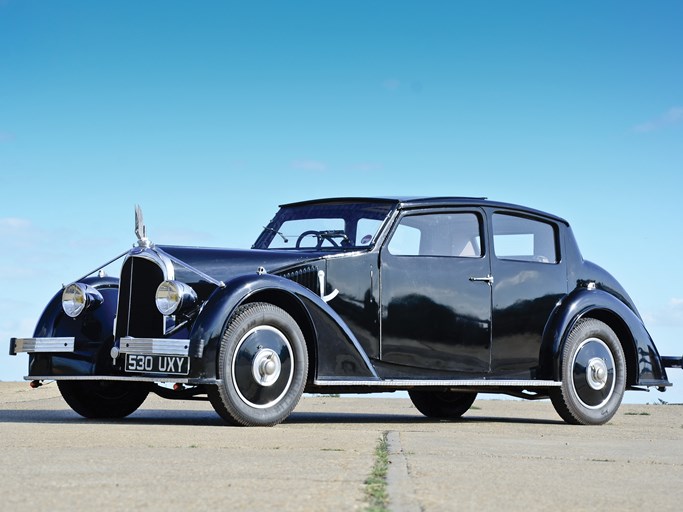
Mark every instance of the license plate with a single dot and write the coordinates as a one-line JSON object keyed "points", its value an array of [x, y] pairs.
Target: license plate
{"points": [[176, 365]]}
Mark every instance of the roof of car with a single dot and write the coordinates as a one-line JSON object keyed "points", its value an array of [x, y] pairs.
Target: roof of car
{"points": [[408, 202]]}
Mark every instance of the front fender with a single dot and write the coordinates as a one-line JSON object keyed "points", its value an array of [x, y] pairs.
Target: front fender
{"points": [[643, 362], [341, 355], [93, 334]]}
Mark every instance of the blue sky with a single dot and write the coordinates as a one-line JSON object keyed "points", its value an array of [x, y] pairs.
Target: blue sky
{"points": [[210, 114]]}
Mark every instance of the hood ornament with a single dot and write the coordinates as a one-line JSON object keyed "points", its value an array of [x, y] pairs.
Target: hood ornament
{"points": [[140, 229]]}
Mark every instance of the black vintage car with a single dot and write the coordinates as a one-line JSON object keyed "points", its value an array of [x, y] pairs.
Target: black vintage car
{"points": [[442, 297]]}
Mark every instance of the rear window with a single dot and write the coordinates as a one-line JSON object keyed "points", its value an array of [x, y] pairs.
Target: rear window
{"points": [[523, 239]]}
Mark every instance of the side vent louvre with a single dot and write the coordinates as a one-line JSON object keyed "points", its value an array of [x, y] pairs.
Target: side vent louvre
{"points": [[306, 276]]}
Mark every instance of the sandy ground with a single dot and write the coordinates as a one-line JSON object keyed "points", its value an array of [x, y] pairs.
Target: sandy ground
{"points": [[170, 455]]}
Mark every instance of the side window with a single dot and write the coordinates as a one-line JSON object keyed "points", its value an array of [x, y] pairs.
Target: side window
{"points": [[522, 239], [365, 231], [440, 234]]}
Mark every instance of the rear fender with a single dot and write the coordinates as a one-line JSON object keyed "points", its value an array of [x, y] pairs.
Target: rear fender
{"points": [[340, 356], [643, 362]]}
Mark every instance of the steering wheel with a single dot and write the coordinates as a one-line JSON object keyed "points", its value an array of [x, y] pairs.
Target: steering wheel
{"points": [[318, 236]]}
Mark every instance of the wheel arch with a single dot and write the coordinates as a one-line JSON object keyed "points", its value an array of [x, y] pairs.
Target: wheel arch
{"points": [[289, 302], [91, 331], [644, 366], [343, 354], [624, 335]]}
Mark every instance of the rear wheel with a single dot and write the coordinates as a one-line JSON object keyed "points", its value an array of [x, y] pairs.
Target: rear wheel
{"points": [[442, 404], [593, 375], [103, 399], [262, 366]]}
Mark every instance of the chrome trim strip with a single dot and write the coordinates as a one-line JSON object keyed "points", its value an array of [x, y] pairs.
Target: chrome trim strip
{"points": [[149, 254], [156, 256], [100, 267], [179, 380], [408, 383], [190, 268], [321, 286], [154, 346], [32, 345]]}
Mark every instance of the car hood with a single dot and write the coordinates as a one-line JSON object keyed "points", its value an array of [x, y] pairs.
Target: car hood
{"points": [[224, 264]]}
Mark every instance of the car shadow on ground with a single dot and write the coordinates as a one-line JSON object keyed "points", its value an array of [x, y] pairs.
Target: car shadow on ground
{"points": [[210, 419], [356, 418]]}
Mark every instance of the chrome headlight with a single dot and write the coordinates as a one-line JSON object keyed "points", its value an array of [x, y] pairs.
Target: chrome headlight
{"points": [[77, 297], [174, 296]]}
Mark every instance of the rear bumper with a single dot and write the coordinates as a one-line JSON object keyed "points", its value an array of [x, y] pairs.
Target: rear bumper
{"points": [[672, 362]]}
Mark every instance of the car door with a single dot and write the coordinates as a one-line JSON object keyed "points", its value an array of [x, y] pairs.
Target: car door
{"points": [[530, 277], [434, 292]]}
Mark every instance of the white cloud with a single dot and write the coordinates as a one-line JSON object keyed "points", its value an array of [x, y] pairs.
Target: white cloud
{"points": [[309, 165], [367, 167], [17, 233], [669, 314], [13, 223], [391, 84], [672, 116]]}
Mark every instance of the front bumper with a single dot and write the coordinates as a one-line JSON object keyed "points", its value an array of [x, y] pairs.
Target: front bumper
{"points": [[65, 363], [139, 346], [152, 347], [41, 345]]}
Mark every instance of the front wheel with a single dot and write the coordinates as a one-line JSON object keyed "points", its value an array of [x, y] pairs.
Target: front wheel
{"points": [[262, 367], [442, 404], [593, 375], [103, 399]]}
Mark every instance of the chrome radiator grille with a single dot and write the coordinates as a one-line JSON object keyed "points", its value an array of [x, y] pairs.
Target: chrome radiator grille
{"points": [[137, 314]]}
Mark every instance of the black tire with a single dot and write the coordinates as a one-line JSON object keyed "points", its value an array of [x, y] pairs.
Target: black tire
{"points": [[593, 375], [262, 367], [103, 399], [442, 404]]}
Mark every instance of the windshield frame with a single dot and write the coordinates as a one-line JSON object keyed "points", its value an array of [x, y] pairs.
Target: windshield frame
{"points": [[350, 212]]}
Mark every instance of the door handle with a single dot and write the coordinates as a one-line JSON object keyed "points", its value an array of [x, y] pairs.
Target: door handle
{"points": [[488, 279]]}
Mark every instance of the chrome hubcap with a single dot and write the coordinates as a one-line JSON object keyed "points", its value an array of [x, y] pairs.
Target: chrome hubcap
{"points": [[593, 373], [262, 367], [596, 374], [266, 367]]}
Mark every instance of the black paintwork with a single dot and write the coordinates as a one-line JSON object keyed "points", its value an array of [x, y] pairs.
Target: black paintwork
{"points": [[394, 317]]}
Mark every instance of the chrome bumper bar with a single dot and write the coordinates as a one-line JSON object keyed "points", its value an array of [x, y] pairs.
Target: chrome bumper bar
{"points": [[672, 361], [144, 346], [32, 345], [153, 346]]}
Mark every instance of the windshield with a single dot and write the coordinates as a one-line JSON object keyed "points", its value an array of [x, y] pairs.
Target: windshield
{"points": [[324, 226]]}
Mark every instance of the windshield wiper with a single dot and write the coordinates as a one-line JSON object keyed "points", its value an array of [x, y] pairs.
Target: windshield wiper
{"points": [[284, 238]]}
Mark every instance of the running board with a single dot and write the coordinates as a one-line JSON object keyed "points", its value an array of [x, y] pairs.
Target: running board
{"points": [[413, 383]]}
